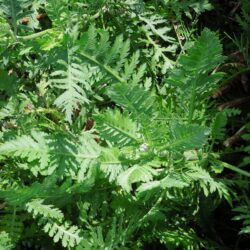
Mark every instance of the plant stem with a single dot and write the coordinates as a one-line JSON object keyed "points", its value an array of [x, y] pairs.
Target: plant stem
{"points": [[235, 169], [13, 219], [35, 35], [13, 16], [192, 103]]}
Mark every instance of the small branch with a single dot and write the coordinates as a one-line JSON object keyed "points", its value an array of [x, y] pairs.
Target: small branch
{"points": [[225, 86], [178, 37], [2, 205], [236, 7], [229, 65], [235, 138], [222, 90], [234, 103]]}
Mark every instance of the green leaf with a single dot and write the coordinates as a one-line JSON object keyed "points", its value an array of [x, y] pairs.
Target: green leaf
{"points": [[147, 189], [134, 99], [37, 208], [154, 24], [110, 163], [28, 147], [172, 181], [187, 136], [69, 235], [71, 79], [204, 55], [192, 77], [218, 126], [135, 174], [117, 128], [243, 214], [88, 152], [207, 183], [6, 242]]}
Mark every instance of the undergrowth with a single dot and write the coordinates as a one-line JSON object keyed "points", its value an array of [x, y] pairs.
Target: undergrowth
{"points": [[109, 138]]}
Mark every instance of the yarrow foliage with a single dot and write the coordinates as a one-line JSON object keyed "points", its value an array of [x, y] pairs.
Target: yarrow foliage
{"points": [[104, 130]]}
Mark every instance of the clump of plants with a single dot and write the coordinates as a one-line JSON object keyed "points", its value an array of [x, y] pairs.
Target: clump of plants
{"points": [[109, 137]]}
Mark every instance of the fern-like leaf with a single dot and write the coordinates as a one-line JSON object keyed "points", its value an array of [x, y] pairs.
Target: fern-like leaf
{"points": [[186, 137], [244, 215], [157, 26], [117, 128], [11, 226], [88, 153], [92, 62], [72, 80], [95, 49], [244, 19], [207, 183], [204, 55], [218, 126], [5, 241], [101, 54], [37, 208], [134, 99], [15, 10], [46, 153], [28, 147], [183, 238], [193, 77], [110, 163], [135, 174], [69, 235]]}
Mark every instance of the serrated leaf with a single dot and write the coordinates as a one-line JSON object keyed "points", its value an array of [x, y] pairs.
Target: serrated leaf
{"points": [[117, 128], [134, 99], [135, 174], [187, 136]]}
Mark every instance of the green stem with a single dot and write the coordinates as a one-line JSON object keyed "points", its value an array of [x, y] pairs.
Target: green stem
{"points": [[235, 169], [192, 103], [158, 202], [35, 35], [13, 219], [14, 20]]}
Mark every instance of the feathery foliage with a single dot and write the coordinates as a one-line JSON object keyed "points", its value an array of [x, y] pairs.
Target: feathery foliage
{"points": [[107, 134]]}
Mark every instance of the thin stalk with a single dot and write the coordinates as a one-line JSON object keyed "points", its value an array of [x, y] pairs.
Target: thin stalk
{"points": [[237, 170], [178, 38], [14, 20], [35, 35], [192, 103], [13, 219], [238, 73], [158, 202]]}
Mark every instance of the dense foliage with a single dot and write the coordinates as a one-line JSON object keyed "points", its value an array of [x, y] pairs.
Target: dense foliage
{"points": [[109, 135]]}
